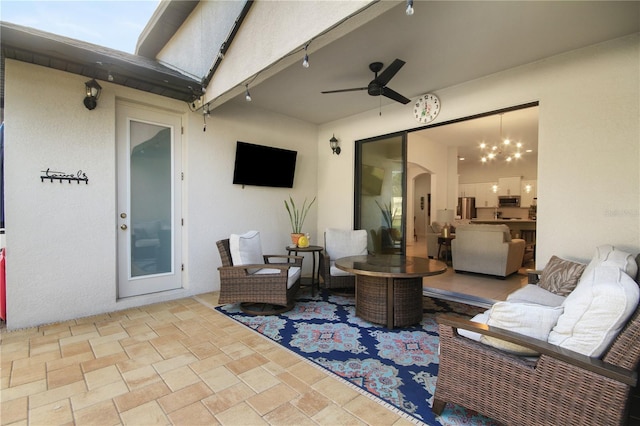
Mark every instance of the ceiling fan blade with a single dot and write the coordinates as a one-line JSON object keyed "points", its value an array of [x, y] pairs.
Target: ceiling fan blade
{"points": [[392, 94], [345, 90], [389, 72]]}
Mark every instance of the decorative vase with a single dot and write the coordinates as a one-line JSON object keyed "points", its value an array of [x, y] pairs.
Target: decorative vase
{"points": [[295, 237], [303, 241]]}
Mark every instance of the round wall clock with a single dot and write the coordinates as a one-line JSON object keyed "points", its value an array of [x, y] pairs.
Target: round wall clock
{"points": [[426, 108]]}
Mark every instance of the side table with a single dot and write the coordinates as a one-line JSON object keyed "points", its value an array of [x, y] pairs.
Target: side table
{"points": [[315, 270], [446, 243]]}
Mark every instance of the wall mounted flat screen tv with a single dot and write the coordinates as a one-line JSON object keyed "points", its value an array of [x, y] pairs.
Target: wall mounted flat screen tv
{"points": [[372, 178], [261, 165]]}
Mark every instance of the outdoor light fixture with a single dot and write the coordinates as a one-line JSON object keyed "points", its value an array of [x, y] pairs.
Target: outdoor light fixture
{"points": [[247, 95], [409, 10], [93, 90], [305, 62], [333, 142]]}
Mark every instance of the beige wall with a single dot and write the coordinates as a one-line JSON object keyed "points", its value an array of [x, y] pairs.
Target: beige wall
{"points": [[61, 238], [589, 145], [290, 25]]}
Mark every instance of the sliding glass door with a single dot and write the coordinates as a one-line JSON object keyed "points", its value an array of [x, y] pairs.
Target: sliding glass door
{"points": [[380, 192]]}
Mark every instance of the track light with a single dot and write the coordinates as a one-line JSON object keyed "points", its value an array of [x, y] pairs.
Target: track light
{"points": [[305, 62], [409, 10], [205, 114], [247, 95]]}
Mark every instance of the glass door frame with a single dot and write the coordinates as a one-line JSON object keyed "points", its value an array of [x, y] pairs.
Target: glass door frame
{"points": [[357, 193]]}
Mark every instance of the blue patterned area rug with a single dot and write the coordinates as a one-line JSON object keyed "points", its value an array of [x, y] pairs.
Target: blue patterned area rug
{"points": [[397, 367]]}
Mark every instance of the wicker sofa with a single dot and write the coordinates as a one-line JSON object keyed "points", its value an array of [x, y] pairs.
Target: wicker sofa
{"points": [[581, 374]]}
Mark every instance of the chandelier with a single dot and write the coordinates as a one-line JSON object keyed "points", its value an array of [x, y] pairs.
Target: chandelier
{"points": [[505, 150]]}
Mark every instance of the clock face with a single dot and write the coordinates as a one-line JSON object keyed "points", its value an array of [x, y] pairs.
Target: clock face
{"points": [[426, 108]]}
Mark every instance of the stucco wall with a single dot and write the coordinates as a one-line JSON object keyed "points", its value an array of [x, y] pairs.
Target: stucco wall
{"points": [[589, 145], [61, 238]]}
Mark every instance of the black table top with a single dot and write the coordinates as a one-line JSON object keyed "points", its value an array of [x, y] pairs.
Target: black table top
{"points": [[391, 265]]}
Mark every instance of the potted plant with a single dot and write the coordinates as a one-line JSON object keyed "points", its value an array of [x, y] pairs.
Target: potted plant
{"points": [[297, 217], [389, 214]]}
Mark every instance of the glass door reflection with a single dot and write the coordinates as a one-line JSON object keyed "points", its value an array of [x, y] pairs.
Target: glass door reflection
{"points": [[379, 195]]}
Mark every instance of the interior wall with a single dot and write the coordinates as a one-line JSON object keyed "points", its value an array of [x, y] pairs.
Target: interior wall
{"points": [[589, 191]]}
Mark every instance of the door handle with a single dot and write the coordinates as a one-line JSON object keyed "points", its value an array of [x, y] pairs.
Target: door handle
{"points": [[123, 227]]}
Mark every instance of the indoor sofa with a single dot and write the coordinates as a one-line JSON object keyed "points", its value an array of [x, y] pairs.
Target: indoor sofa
{"points": [[486, 249]]}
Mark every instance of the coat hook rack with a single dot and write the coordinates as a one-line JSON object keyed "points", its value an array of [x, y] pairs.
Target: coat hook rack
{"points": [[80, 176]]}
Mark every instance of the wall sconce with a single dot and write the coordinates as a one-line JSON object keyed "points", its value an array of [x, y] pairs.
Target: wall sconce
{"points": [[333, 142], [93, 90]]}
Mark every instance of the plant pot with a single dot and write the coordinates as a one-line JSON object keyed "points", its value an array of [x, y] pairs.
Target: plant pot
{"points": [[295, 238]]}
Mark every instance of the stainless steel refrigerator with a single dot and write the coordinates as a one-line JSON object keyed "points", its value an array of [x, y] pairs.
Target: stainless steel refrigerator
{"points": [[467, 208]]}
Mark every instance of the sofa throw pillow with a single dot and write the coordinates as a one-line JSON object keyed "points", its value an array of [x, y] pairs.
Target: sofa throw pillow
{"points": [[561, 276], [524, 318], [612, 256], [246, 249], [595, 312]]}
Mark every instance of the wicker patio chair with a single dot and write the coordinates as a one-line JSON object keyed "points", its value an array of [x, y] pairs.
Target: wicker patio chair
{"points": [[341, 243], [257, 293], [561, 388]]}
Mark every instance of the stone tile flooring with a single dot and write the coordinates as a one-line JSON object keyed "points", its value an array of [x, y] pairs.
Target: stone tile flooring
{"points": [[178, 363]]}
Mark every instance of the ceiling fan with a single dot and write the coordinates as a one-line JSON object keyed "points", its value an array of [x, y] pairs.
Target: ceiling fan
{"points": [[378, 86]]}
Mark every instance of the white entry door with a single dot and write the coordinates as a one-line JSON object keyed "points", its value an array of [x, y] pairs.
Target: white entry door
{"points": [[149, 200]]}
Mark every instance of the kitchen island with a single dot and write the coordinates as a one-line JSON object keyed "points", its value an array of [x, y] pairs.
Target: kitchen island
{"points": [[520, 228]]}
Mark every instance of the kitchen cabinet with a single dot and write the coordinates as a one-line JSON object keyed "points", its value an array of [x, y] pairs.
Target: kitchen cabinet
{"points": [[509, 185], [528, 193], [485, 195], [467, 190]]}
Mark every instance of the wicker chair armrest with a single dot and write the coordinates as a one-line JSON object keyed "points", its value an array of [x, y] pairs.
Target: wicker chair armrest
{"points": [[533, 276], [291, 260], [576, 359], [283, 267]]}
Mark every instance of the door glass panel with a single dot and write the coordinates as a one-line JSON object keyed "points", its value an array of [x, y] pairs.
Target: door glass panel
{"points": [[151, 199], [380, 193]]}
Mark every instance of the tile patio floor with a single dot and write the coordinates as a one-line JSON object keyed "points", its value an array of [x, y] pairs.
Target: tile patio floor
{"points": [[178, 363]]}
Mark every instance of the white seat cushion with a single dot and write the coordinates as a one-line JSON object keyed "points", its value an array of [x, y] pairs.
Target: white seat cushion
{"points": [[343, 243], [596, 311], [481, 318], [337, 272], [531, 293], [528, 319], [246, 249], [293, 274]]}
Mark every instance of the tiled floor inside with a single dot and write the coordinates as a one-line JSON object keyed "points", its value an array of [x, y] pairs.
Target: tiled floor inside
{"points": [[178, 362]]}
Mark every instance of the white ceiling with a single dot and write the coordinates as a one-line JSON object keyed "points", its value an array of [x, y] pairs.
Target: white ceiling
{"points": [[444, 43]]}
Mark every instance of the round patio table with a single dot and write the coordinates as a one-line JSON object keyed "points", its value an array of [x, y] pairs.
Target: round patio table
{"points": [[389, 287]]}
